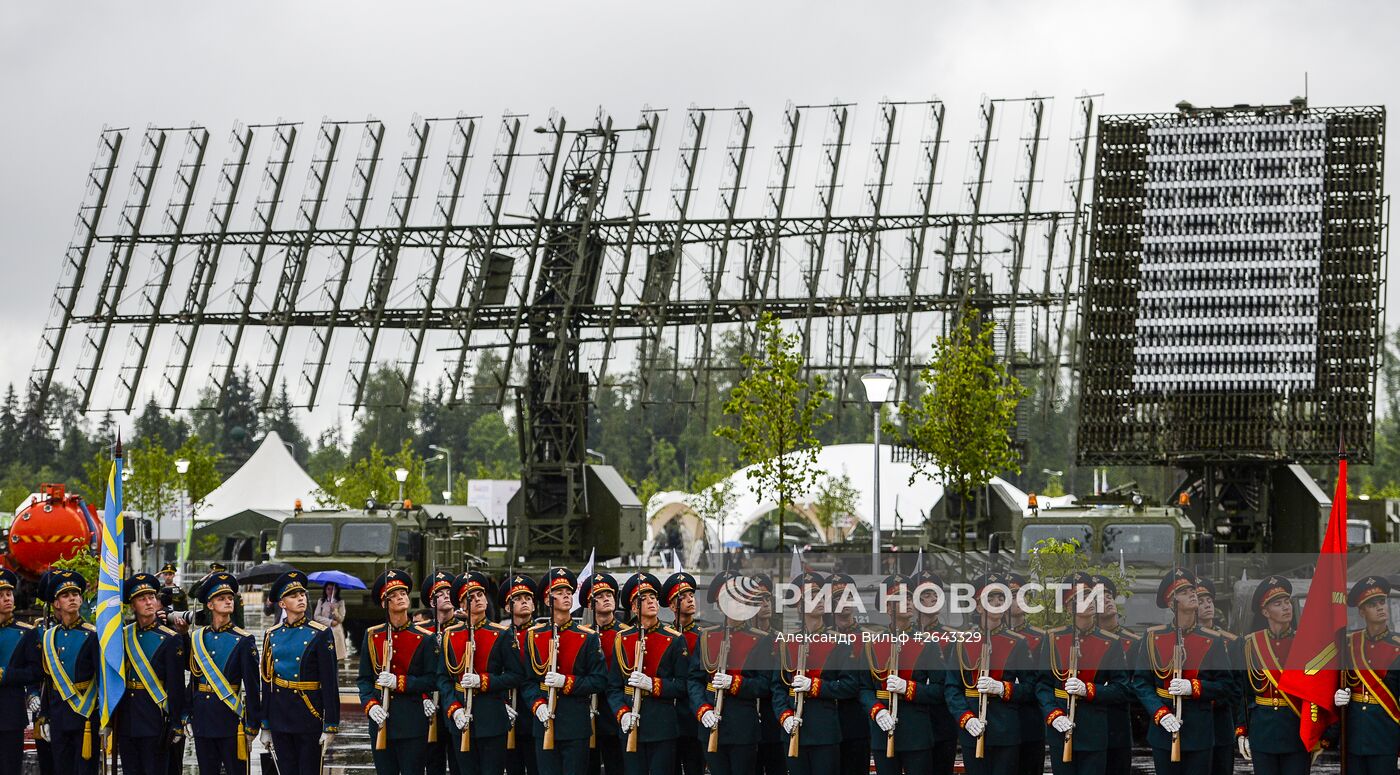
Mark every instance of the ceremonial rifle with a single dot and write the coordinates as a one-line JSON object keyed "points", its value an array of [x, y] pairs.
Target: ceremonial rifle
{"points": [[1067, 755], [894, 696], [548, 742], [983, 671], [381, 741], [469, 668], [1178, 657], [641, 655], [801, 671], [720, 666]]}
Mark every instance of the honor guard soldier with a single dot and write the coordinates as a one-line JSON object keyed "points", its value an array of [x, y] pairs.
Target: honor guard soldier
{"points": [[396, 679], [928, 590], [678, 594], [987, 679], [1082, 662], [855, 720], [1229, 710], [733, 661], [642, 694], [896, 697], [563, 669], [772, 750], [19, 675], [1270, 736], [436, 596], [1120, 725], [1180, 666], [517, 601], [70, 658], [150, 712], [1369, 697], [1032, 755], [225, 697], [301, 701], [599, 595], [475, 691], [816, 668]]}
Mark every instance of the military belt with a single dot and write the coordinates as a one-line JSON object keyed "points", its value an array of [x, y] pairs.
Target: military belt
{"points": [[971, 693], [301, 686], [1270, 702], [132, 683], [205, 688], [1369, 699]]}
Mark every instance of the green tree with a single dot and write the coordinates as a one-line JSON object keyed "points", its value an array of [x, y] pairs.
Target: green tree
{"points": [[281, 417], [384, 423], [836, 498], [1051, 561], [774, 417], [964, 417], [373, 477]]}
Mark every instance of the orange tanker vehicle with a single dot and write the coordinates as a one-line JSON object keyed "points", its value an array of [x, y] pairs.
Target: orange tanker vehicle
{"points": [[53, 524]]}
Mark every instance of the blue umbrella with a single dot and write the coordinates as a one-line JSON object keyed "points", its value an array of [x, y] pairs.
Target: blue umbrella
{"points": [[338, 578], [733, 544]]}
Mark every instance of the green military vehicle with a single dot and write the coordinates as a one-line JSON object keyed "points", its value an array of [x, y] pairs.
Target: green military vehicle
{"points": [[365, 542]]}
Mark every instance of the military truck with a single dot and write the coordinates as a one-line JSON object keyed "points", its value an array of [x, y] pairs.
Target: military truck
{"points": [[365, 542]]}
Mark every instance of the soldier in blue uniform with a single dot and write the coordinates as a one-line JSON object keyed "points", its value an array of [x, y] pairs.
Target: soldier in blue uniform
{"points": [[1120, 725], [150, 713], [656, 682], [475, 691], [678, 594], [599, 594], [1203, 679], [1370, 696], [436, 596], [1229, 710], [1098, 682], [301, 700], [855, 721], [578, 674], [897, 697], [927, 588], [743, 679], [70, 660], [517, 601], [1007, 684], [225, 706], [407, 673], [1270, 735], [827, 677], [19, 674]]}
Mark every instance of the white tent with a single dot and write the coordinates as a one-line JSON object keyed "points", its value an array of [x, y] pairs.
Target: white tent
{"points": [[271, 479]]}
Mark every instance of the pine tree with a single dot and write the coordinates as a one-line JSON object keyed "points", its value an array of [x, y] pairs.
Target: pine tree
{"points": [[9, 427], [281, 418]]}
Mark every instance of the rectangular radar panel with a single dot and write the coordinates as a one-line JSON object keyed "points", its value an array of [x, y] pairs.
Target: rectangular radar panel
{"points": [[1231, 301]]}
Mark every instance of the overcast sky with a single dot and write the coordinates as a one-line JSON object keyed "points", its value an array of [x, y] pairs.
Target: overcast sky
{"points": [[65, 72]]}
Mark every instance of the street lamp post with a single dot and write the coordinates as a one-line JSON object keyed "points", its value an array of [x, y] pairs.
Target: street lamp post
{"points": [[182, 467], [877, 391], [446, 494], [401, 474]]}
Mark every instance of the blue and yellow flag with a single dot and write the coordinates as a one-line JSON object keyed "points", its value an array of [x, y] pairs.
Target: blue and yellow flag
{"points": [[109, 593]]}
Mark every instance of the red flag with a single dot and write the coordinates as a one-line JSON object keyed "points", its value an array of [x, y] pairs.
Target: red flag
{"points": [[1311, 672]]}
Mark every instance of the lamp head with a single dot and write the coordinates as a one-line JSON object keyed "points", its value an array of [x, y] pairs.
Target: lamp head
{"points": [[878, 385]]}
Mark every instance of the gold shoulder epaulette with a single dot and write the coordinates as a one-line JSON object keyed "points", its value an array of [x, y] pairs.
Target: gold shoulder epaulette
{"points": [[497, 626], [672, 630], [1210, 632], [240, 632], [375, 627], [165, 630], [89, 627], [1156, 628], [315, 625], [23, 625], [1109, 635], [586, 630]]}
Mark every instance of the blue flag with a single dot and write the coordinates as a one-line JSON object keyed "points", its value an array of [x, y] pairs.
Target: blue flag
{"points": [[109, 594]]}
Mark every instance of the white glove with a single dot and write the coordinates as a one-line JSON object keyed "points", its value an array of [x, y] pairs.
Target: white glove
{"points": [[639, 680], [554, 680], [709, 720], [512, 714], [989, 685], [429, 707], [265, 737], [460, 718], [34, 705], [542, 713], [1179, 687], [1076, 687], [473, 681], [387, 680], [884, 720], [43, 731], [628, 721], [1242, 743], [975, 727], [801, 683], [1341, 699], [377, 714], [791, 723], [1171, 723], [896, 685], [326, 739], [722, 681], [1062, 724]]}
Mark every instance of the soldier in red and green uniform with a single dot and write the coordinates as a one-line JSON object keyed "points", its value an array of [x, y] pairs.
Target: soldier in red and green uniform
{"points": [[577, 676], [1203, 679], [436, 596], [1098, 684], [1032, 753], [493, 672], [855, 719], [1120, 725], [517, 603], [408, 674], [1229, 711], [743, 681], [772, 751], [1009, 684], [599, 594], [1270, 734], [912, 681], [678, 594], [928, 588], [661, 678], [828, 678], [1371, 695]]}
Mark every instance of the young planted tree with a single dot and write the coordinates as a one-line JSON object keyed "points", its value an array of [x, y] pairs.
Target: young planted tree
{"points": [[964, 417], [775, 415]]}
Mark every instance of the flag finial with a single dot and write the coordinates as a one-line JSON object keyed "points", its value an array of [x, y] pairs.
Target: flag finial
{"points": [[118, 452]]}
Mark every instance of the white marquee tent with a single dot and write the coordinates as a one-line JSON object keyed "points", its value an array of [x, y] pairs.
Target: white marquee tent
{"points": [[270, 479]]}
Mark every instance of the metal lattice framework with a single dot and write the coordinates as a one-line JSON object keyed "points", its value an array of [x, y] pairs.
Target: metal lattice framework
{"points": [[582, 270]]}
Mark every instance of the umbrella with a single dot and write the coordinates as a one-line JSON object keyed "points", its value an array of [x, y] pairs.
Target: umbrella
{"points": [[338, 578], [265, 573]]}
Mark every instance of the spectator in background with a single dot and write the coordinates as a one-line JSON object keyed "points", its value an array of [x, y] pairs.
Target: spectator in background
{"points": [[330, 611]]}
